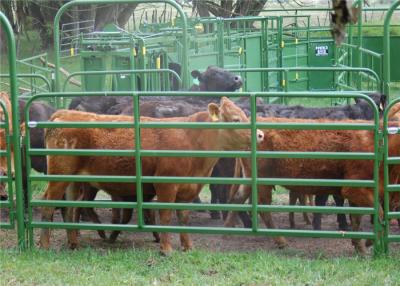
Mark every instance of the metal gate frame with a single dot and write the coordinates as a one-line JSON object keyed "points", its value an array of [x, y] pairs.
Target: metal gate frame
{"points": [[389, 188], [9, 204], [15, 136], [254, 181]]}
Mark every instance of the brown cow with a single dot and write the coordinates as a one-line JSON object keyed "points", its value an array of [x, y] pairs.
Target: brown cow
{"points": [[153, 139], [314, 141]]}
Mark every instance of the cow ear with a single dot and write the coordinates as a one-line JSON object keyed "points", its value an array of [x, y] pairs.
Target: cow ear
{"points": [[213, 110]]}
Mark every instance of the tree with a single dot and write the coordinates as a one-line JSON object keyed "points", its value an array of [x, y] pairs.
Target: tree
{"points": [[39, 15], [228, 8]]}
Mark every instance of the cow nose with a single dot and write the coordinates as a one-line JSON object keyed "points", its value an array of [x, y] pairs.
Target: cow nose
{"points": [[260, 136], [238, 80]]}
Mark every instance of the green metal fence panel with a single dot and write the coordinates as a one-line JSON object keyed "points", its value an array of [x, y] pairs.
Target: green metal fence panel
{"points": [[6, 181], [15, 138], [386, 77], [253, 154], [375, 44], [391, 179]]}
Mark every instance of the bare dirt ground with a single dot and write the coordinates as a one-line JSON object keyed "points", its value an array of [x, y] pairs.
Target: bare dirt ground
{"points": [[306, 247]]}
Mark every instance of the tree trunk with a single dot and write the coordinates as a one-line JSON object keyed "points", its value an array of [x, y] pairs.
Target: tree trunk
{"points": [[125, 14], [105, 14], [202, 7]]}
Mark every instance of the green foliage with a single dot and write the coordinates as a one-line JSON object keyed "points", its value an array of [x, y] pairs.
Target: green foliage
{"points": [[200, 267]]}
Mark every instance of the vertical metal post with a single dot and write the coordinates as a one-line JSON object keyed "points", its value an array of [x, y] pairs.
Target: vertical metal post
{"points": [[138, 162], [386, 50], [220, 26], [360, 43], [254, 171], [16, 132]]}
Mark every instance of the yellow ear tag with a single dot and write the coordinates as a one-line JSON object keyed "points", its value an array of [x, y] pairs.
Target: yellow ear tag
{"points": [[214, 117]]}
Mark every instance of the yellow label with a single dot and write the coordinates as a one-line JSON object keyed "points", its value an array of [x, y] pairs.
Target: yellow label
{"points": [[134, 52], [144, 51], [173, 22], [214, 117], [158, 63], [282, 44], [283, 82], [72, 52], [297, 76], [297, 41], [240, 51]]}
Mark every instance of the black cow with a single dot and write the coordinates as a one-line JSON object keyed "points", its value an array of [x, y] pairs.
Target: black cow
{"points": [[213, 79], [38, 111]]}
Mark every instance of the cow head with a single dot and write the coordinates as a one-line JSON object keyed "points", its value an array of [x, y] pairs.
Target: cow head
{"points": [[217, 79], [378, 98], [227, 111]]}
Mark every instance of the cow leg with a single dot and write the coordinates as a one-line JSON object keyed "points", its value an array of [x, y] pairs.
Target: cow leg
{"points": [[54, 191], [150, 219], [126, 217], [223, 199], [72, 194], [265, 198], [183, 217], [166, 193], [215, 190], [238, 196], [341, 218], [357, 243], [292, 201], [303, 202], [320, 200], [359, 197]]}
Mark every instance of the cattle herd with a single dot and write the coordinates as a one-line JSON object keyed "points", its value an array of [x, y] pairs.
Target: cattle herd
{"points": [[203, 109]]}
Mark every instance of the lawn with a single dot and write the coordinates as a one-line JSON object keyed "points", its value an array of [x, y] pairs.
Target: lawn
{"points": [[141, 267]]}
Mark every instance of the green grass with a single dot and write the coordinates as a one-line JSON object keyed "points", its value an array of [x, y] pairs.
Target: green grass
{"points": [[143, 267]]}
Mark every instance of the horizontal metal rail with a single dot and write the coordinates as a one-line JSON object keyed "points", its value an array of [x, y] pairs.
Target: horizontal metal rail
{"points": [[132, 72], [25, 75], [202, 206], [206, 230]]}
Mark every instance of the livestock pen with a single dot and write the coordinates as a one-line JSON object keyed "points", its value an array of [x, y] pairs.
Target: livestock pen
{"points": [[274, 77]]}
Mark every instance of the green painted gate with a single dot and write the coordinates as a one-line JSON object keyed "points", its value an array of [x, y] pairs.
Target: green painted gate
{"points": [[14, 139]]}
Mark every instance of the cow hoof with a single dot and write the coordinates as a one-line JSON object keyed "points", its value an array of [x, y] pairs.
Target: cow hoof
{"points": [[156, 237], [102, 234], [44, 246], [359, 246], [187, 248], [166, 252], [281, 243], [73, 245], [369, 242]]}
